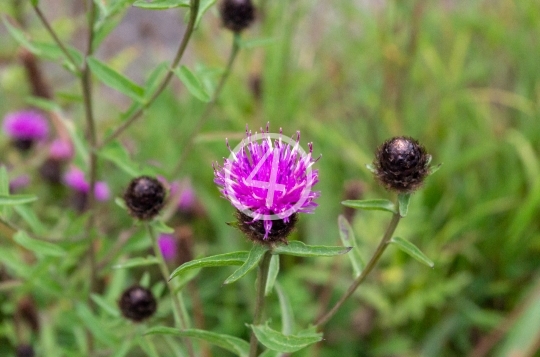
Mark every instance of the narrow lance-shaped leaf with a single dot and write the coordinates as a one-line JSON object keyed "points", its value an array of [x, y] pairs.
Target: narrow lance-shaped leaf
{"points": [[287, 312], [375, 205], [115, 80], [118, 155], [234, 258], [38, 246], [278, 341], [230, 343], [403, 202], [273, 271], [412, 250], [161, 4], [255, 255], [192, 83], [300, 249], [347, 238], [136, 262], [16, 199], [20, 36]]}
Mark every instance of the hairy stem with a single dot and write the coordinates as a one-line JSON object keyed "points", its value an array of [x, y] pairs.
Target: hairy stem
{"points": [[369, 267], [176, 298], [210, 106], [194, 9], [262, 277]]}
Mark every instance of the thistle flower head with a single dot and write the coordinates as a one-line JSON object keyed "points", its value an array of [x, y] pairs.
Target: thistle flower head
{"points": [[237, 15], [25, 127], [401, 164], [137, 303], [269, 182]]}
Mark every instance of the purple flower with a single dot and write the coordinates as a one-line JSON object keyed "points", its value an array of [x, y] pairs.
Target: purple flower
{"points": [[269, 181], [167, 246], [74, 178], [19, 183], [26, 125], [101, 191], [60, 150]]}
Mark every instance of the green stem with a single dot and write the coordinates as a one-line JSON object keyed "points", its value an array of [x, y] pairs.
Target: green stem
{"points": [[262, 277], [180, 318], [210, 106], [55, 37], [369, 267], [194, 9]]}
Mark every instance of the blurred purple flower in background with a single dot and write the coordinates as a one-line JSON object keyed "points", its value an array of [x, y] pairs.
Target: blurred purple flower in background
{"points": [[25, 127], [101, 191], [60, 150], [167, 246], [18, 183], [75, 179]]}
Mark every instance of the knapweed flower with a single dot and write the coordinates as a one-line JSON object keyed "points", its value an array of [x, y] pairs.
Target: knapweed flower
{"points": [[18, 183], [75, 179], [401, 164], [60, 150], [137, 303], [25, 127], [145, 197], [167, 246], [269, 182], [237, 15]]}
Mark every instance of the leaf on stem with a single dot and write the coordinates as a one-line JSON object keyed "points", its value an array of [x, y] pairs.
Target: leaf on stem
{"points": [[38, 246], [230, 343], [118, 155], [347, 238], [137, 262], [287, 312], [300, 249], [280, 342], [192, 83], [19, 36], [255, 255], [161, 4], [234, 258], [204, 6], [115, 80], [371, 205], [105, 305], [14, 200], [154, 80], [273, 271], [403, 202], [412, 250]]}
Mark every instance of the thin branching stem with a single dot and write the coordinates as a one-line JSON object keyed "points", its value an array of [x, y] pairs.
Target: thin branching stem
{"points": [[210, 106], [369, 267], [194, 9], [176, 297], [262, 277]]}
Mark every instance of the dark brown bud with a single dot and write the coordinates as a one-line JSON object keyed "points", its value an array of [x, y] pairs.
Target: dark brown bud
{"points": [[401, 164], [24, 351], [255, 230], [144, 197], [51, 171], [137, 303], [27, 311], [237, 15], [23, 145]]}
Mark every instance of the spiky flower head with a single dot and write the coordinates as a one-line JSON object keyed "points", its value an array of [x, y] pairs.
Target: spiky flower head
{"points": [[269, 182], [237, 15], [401, 164], [25, 127], [137, 303], [145, 197]]}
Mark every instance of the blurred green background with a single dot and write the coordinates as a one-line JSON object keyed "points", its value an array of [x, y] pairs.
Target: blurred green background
{"points": [[462, 77]]}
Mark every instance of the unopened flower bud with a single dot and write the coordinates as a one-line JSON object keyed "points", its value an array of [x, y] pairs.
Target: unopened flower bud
{"points": [[145, 197], [401, 164], [237, 15], [137, 303]]}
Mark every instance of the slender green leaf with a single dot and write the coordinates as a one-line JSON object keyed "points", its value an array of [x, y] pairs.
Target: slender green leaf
{"points": [[154, 79], [4, 181], [230, 343], [30, 217], [270, 353], [147, 346], [371, 168], [161, 4], [376, 205], [434, 168], [161, 227], [136, 262], [38, 246], [53, 52], [192, 83], [204, 6], [280, 342], [255, 255], [258, 42], [300, 249], [43, 104], [105, 305], [403, 202], [273, 271], [347, 238], [115, 80], [16, 199], [94, 325], [287, 312], [20, 36], [412, 250], [234, 258], [117, 154]]}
